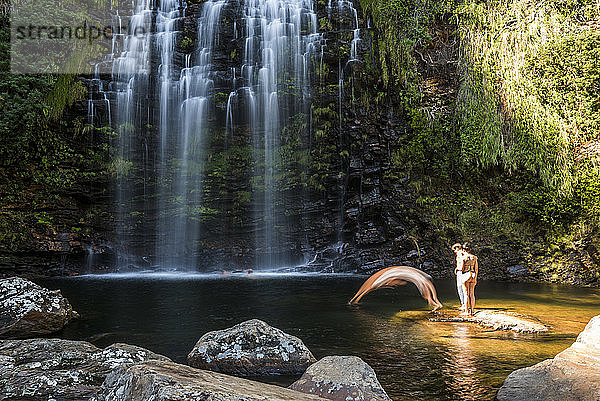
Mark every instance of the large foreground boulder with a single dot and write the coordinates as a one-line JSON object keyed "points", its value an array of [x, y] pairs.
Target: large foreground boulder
{"points": [[167, 381], [251, 348], [341, 378], [28, 310], [43, 369], [574, 374]]}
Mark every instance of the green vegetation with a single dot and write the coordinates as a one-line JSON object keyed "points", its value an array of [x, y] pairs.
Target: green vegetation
{"points": [[43, 156], [226, 189], [187, 44], [293, 158], [529, 100], [514, 155], [529, 96], [324, 156], [403, 26]]}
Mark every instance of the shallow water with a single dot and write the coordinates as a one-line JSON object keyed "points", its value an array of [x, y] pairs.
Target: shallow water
{"points": [[413, 357]]}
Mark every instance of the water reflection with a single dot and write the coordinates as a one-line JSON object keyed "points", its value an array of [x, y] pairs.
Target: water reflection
{"points": [[413, 357], [460, 369]]}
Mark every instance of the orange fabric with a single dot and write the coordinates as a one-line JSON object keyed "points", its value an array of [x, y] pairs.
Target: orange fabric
{"points": [[399, 275]]}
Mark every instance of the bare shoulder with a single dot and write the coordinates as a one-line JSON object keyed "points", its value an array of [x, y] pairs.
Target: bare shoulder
{"points": [[468, 255], [462, 255]]}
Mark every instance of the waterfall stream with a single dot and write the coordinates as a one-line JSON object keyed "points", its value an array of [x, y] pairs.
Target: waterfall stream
{"points": [[185, 108], [162, 99], [280, 40]]}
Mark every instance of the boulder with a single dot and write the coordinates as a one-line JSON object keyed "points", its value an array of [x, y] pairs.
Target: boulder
{"points": [[168, 381], [251, 348], [341, 378], [496, 320], [28, 310], [43, 369], [573, 374], [509, 321]]}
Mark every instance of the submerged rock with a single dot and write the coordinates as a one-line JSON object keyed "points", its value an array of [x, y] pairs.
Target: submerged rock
{"points": [[341, 378], [251, 348], [509, 321], [43, 369], [28, 310], [497, 320], [158, 380], [574, 374]]}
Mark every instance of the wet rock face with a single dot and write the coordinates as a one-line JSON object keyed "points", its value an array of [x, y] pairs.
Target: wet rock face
{"points": [[157, 380], [251, 348], [574, 374], [42, 369], [517, 270], [342, 378], [28, 310]]}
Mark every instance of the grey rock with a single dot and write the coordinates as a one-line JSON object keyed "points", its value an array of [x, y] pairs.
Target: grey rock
{"points": [[251, 348], [168, 381], [496, 320], [28, 310], [509, 321], [573, 374], [341, 378], [42, 369], [517, 270], [370, 235], [371, 198], [413, 254]]}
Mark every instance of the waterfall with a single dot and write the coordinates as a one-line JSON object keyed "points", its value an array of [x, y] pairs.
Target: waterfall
{"points": [[167, 250], [148, 85], [185, 107], [280, 41], [345, 6], [162, 105], [129, 85]]}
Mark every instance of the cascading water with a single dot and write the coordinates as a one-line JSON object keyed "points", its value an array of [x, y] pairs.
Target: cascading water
{"points": [[180, 106], [185, 107], [129, 85], [281, 40], [161, 103], [343, 6]]}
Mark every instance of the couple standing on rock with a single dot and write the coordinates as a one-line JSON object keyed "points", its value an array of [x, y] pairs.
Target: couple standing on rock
{"points": [[466, 278]]}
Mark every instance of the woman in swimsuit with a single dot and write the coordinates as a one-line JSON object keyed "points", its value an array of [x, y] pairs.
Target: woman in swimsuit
{"points": [[467, 268]]}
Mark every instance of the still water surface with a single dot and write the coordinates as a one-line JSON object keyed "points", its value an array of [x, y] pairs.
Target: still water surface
{"points": [[413, 357]]}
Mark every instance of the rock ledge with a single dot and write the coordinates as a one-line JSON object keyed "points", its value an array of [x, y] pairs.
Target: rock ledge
{"points": [[497, 320], [158, 380], [574, 374], [44, 369]]}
